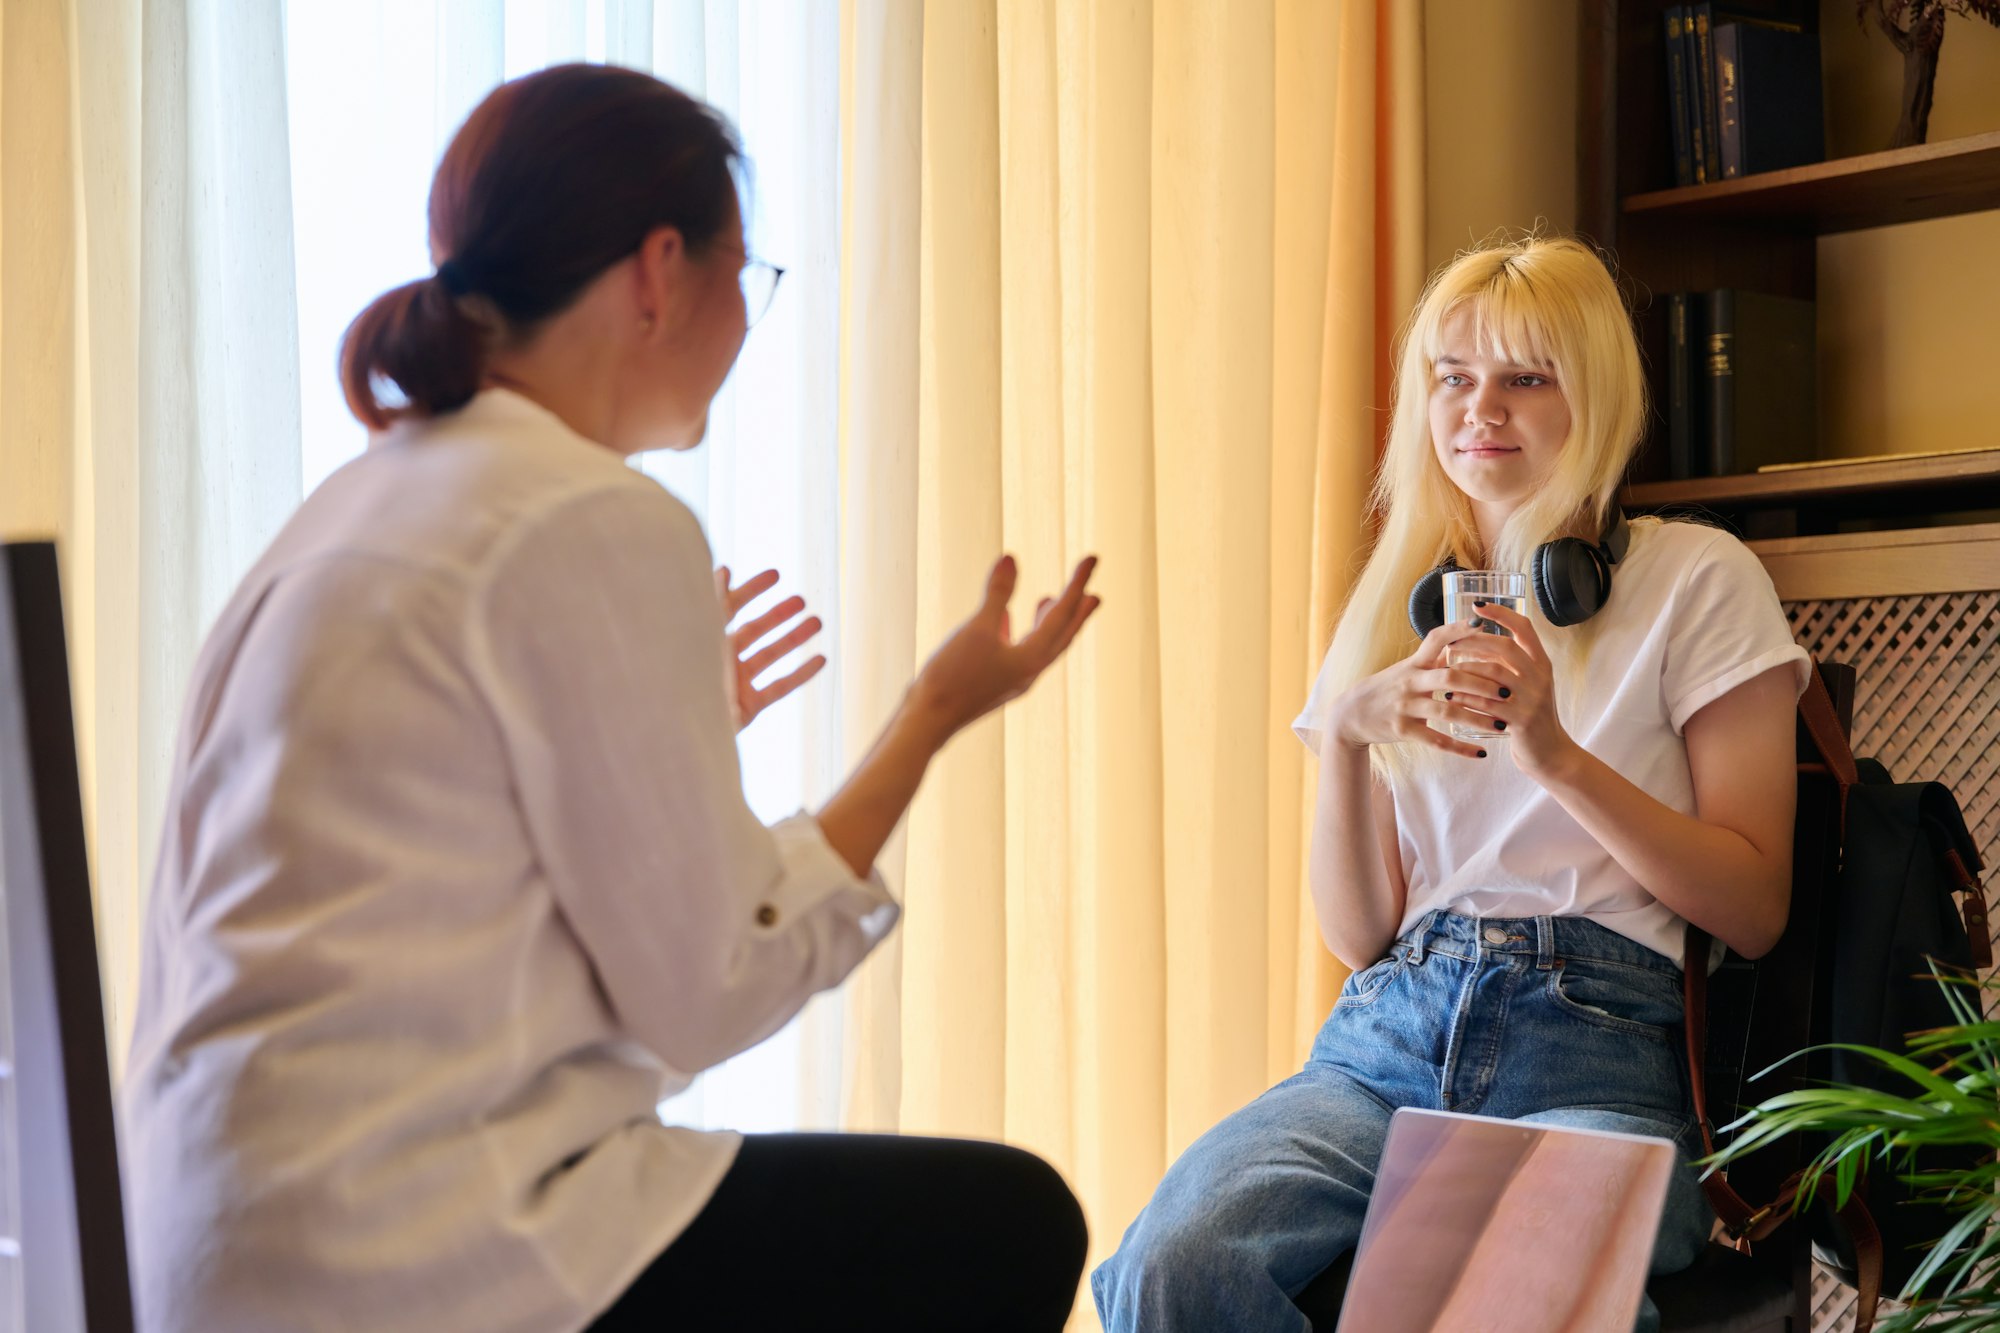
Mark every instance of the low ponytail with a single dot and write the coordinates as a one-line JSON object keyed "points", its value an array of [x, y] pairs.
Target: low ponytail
{"points": [[419, 338], [552, 179]]}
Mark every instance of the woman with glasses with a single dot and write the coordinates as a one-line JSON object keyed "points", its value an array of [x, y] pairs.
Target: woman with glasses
{"points": [[457, 880]]}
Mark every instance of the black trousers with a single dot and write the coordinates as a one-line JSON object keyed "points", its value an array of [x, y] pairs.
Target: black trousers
{"points": [[867, 1231]]}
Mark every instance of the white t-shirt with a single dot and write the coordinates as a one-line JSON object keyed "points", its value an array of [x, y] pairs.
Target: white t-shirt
{"points": [[1692, 615], [457, 882]]}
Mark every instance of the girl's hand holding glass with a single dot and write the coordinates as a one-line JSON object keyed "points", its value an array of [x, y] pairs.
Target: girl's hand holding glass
{"points": [[1402, 701], [1464, 589], [1516, 690]]}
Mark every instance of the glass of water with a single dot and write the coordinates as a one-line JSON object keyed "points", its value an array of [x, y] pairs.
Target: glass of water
{"points": [[1463, 587]]}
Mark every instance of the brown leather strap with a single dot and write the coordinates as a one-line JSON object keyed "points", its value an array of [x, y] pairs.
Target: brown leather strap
{"points": [[1866, 1239], [1744, 1222], [1694, 1025], [1978, 932], [1823, 724], [1973, 906]]}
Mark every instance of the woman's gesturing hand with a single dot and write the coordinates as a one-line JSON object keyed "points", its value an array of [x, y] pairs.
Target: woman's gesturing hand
{"points": [[981, 665], [749, 652], [1400, 702]]}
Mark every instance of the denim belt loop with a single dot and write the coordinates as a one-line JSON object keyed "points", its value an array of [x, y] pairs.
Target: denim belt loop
{"points": [[1420, 946], [1545, 943]]}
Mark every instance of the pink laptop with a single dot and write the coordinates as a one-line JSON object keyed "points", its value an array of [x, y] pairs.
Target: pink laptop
{"points": [[1497, 1226]]}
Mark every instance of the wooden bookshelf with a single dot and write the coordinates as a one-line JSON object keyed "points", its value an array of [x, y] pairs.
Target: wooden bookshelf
{"points": [[1754, 233], [1931, 180]]}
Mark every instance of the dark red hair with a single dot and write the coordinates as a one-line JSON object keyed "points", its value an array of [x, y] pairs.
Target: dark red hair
{"points": [[552, 179]]}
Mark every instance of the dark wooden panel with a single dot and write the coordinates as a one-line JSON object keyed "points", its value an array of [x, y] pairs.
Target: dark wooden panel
{"points": [[1679, 255], [1597, 192], [1645, 140]]}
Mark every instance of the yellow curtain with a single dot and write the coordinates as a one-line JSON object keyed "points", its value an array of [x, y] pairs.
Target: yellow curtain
{"points": [[1123, 278], [68, 361], [148, 370]]}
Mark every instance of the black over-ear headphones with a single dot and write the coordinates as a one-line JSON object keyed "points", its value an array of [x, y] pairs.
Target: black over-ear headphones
{"points": [[1572, 578]]}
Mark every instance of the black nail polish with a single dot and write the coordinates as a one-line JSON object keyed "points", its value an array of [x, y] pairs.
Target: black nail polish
{"points": [[1479, 601], [1499, 725], [1447, 694], [1506, 693], [1482, 754]]}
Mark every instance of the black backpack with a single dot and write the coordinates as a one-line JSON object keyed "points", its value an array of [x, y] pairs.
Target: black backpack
{"points": [[1906, 856]]}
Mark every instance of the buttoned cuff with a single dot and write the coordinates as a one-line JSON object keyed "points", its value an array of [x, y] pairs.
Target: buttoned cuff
{"points": [[816, 880]]}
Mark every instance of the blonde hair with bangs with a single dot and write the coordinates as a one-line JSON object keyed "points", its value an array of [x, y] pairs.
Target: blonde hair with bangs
{"points": [[1535, 301]]}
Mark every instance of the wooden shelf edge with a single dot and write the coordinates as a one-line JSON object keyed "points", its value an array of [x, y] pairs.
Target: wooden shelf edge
{"points": [[1883, 564], [1983, 534], [1912, 184], [1764, 489]]}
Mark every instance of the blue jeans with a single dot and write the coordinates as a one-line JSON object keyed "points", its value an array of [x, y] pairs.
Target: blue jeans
{"points": [[1548, 1019]]}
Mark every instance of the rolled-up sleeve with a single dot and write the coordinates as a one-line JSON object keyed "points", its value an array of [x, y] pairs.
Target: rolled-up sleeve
{"points": [[1726, 626], [600, 640]]}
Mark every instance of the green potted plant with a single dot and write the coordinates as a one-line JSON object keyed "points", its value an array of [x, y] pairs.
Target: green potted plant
{"points": [[1950, 1095]]}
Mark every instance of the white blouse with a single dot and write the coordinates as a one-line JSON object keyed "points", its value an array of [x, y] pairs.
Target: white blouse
{"points": [[456, 883]]}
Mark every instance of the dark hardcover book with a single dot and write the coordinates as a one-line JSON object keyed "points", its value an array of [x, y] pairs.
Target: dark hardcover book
{"points": [[1701, 57], [1728, 109], [1768, 98], [1678, 102], [1699, 26], [1681, 462], [1759, 377]]}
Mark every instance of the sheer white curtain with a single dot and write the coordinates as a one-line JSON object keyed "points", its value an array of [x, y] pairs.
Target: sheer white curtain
{"points": [[376, 88], [195, 198]]}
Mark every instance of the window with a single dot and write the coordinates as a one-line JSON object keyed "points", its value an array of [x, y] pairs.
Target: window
{"points": [[376, 89]]}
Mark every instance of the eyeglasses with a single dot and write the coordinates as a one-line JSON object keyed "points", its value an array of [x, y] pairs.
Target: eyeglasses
{"points": [[760, 285]]}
